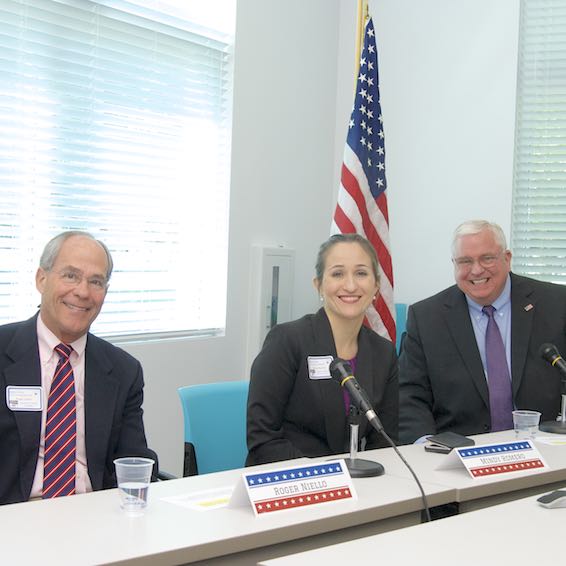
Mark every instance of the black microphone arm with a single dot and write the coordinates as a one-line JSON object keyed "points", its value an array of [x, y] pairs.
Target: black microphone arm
{"points": [[341, 371], [550, 353]]}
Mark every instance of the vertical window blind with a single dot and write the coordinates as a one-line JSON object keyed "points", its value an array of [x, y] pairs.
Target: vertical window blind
{"points": [[539, 192], [116, 119]]}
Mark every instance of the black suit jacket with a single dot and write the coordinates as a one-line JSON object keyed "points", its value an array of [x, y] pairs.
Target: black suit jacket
{"points": [[113, 413], [290, 415], [442, 383]]}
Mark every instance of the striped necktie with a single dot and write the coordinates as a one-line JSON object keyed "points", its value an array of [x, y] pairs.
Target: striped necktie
{"points": [[498, 378], [60, 430]]}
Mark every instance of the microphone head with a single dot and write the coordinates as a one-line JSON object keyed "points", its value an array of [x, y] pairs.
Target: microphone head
{"points": [[548, 352], [339, 369]]}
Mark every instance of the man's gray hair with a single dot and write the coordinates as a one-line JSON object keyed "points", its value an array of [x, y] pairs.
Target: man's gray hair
{"points": [[472, 227], [53, 247]]}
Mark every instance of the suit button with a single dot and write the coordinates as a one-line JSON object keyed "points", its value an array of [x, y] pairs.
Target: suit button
{"points": [[486, 428]]}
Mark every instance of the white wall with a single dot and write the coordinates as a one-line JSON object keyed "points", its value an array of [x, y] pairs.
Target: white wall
{"points": [[447, 83], [447, 79], [281, 192]]}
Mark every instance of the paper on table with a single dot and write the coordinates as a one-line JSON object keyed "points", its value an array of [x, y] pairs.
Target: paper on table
{"points": [[202, 500], [557, 440]]}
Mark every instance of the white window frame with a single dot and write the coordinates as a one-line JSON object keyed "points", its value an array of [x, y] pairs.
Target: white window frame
{"points": [[538, 235]]}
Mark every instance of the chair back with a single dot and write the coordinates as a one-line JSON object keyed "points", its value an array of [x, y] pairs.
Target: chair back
{"points": [[215, 426], [401, 320]]}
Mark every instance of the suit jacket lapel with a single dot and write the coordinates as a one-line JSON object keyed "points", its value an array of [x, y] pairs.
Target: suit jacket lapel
{"points": [[523, 307], [26, 371], [332, 398], [458, 319], [100, 399]]}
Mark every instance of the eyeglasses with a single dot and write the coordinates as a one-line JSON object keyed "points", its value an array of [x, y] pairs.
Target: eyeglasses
{"points": [[74, 279], [466, 263]]}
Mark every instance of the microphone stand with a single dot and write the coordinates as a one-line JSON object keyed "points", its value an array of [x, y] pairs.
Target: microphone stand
{"points": [[357, 467], [341, 371], [559, 425]]}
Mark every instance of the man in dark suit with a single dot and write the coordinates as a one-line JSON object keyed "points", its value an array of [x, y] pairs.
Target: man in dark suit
{"points": [[445, 377], [106, 418]]}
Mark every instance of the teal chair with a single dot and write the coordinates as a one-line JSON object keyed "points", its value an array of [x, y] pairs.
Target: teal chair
{"points": [[401, 320], [215, 426]]}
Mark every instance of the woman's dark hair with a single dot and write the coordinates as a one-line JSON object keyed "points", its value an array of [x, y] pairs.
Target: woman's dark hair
{"points": [[345, 239]]}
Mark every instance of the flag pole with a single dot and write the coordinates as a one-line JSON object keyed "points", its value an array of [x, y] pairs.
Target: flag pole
{"points": [[363, 14], [361, 205]]}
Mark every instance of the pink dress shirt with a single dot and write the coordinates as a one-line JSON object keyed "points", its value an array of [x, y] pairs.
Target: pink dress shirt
{"points": [[48, 359]]}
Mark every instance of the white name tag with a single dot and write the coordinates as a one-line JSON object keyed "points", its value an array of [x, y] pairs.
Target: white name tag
{"points": [[319, 367], [281, 489], [24, 398]]}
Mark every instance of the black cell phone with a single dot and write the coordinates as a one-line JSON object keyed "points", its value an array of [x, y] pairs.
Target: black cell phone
{"points": [[438, 448], [451, 440]]}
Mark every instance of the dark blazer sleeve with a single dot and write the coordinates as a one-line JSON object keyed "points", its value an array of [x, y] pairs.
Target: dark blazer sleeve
{"points": [[113, 411], [415, 391], [442, 383], [385, 391], [272, 380], [19, 430], [538, 316]]}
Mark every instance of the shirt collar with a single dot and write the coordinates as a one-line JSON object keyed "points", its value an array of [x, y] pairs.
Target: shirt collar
{"points": [[503, 300], [47, 340]]}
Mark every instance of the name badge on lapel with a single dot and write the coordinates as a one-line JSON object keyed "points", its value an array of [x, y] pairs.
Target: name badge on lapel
{"points": [[24, 398], [319, 367]]}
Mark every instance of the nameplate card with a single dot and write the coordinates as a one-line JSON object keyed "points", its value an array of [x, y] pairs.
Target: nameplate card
{"points": [[490, 460], [281, 489]]}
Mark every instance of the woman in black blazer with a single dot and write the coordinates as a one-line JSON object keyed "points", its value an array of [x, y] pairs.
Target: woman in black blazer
{"points": [[295, 409]]}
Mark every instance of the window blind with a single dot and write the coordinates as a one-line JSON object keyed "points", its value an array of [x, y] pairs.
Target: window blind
{"points": [[539, 197], [116, 119]]}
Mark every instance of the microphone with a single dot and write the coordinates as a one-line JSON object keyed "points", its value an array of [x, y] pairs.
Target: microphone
{"points": [[341, 371], [549, 352]]}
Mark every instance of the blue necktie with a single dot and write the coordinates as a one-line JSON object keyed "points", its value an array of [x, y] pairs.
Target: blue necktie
{"points": [[498, 377], [60, 430]]}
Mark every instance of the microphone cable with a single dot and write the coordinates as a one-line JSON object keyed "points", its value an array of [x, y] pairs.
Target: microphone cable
{"points": [[398, 452], [341, 371]]}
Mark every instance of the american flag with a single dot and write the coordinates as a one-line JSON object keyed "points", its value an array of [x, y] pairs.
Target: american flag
{"points": [[362, 202]]}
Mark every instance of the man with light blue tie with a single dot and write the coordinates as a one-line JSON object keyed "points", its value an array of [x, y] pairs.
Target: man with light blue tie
{"points": [[471, 351]]}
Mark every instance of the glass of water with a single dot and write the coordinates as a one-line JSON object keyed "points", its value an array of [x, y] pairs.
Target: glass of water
{"points": [[134, 476], [526, 423]]}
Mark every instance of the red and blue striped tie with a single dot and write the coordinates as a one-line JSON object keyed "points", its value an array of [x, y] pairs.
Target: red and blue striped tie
{"points": [[60, 430]]}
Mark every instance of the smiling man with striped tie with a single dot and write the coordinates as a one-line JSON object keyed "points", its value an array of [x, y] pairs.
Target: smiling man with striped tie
{"points": [[72, 401]]}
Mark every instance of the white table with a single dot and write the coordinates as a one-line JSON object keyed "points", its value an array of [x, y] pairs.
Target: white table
{"points": [[477, 493], [170, 534], [520, 533]]}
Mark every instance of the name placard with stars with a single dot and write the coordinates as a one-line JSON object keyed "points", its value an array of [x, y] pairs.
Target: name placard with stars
{"points": [[490, 460], [281, 489]]}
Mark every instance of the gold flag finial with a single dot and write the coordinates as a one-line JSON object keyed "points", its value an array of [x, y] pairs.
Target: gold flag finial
{"points": [[363, 16]]}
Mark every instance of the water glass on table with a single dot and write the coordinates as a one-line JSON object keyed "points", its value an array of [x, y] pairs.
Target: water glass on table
{"points": [[134, 477], [526, 424]]}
